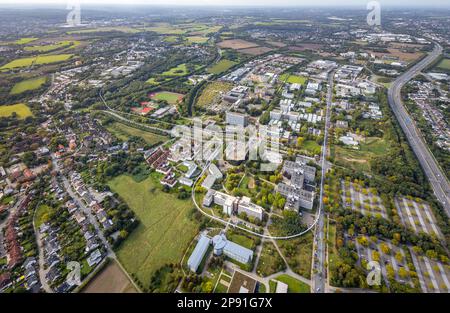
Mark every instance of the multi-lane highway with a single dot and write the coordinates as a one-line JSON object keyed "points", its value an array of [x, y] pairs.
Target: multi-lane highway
{"points": [[433, 171]]}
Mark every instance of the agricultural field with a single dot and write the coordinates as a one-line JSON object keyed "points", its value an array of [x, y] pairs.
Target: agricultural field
{"points": [[433, 276], [212, 93], [28, 84], [221, 66], [392, 259], [110, 279], [293, 79], [165, 29], [360, 159], [38, 60], [364, 200], [236, 44], [270, 261], [23, 41], [197, 39], [294, 285], [417, 215], [51, 47], [255, 50], [122, 29], [170, 97], [124, 132], [179, 70], [21, 109], [163, 217]]}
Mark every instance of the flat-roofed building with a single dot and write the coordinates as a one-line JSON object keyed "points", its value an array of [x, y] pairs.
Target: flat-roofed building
{"points": [[232, 250], [199, 253]]}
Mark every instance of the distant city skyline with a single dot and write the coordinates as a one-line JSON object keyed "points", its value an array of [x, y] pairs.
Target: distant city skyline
{"points": [[356, 3]]}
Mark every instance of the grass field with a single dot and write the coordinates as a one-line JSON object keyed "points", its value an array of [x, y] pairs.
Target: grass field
{"points": [[360, 159], [170, 97], [179, 70], [165, 230], [165, 29], [58, 45], [197, 39], [23, 41], [311, 146], [444, 64], [294, 285], [221, 66], [270, 261], [41, 215], [124, 132], [298, 253], [21, 109], [111, 279], [28, 84], [39, 60], [293, 79], [212, 91]]}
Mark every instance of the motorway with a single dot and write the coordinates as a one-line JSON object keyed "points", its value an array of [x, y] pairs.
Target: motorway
{"points": [[430, 166], [318, 259]]}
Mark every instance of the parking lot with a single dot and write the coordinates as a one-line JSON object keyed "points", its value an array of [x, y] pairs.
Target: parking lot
{"points": [[417, 215], [364, 200], [433, 276]]}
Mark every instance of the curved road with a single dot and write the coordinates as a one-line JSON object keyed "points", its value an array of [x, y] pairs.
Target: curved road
{"points": [[430, 166]]}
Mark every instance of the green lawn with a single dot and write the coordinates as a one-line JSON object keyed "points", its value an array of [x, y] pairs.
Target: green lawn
{"points": [[170, 97], [211, 93], [165, 230], [311, 146], [221, 66], [28, 84], [270, 261], [42, 215], [179, 70], [21, 109], [444, 64], [242, 240], [124, 132], [293, 79], [39, 60], [294, 285], [298, 253]]}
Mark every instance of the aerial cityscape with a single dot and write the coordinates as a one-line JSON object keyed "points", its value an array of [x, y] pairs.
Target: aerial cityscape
{"points": [[199, 148]]}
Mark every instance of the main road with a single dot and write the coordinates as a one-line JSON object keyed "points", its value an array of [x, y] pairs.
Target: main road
{"points": [[318, 265], [430, 166]]}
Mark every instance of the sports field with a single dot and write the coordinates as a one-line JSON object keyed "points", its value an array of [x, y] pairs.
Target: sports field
{"points": [[28, 84], [39, 60], [221, 66], [165, 230], [21, 109], [170, 97], [293, 79]]}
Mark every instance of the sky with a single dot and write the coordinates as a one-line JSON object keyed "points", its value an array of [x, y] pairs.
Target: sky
{"points": [[359, 3]]}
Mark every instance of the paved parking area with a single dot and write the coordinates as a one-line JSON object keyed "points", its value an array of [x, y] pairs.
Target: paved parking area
{"points": [[364, 200], [433, 276], [418, 216]]}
